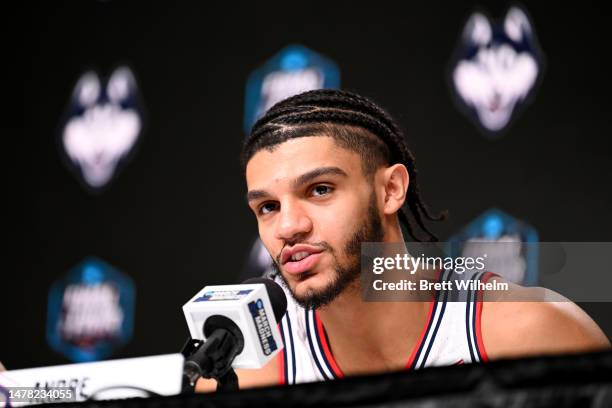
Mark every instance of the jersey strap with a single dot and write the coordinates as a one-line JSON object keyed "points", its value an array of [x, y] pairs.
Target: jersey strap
{"points": [[423, 347], [321, 355], [473, 320], [324, 359], [288, 364]]}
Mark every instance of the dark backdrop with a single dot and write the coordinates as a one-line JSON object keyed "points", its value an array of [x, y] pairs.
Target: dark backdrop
{"points": [[175, 219]]}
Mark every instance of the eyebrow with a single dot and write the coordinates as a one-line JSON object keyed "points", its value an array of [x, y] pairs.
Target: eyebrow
{"points": [[301, 180]]}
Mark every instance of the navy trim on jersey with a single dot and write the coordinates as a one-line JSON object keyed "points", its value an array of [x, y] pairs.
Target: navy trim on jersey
{"points": [[294, 370], [320, 344], [433, 336], [312, 346], [437, 324], [288, 350], [468, 302], [474, 309], [429, 325], [286, 366], [470, 329]]}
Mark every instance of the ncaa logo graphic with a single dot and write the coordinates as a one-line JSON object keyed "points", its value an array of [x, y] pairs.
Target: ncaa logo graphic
{"points": [[294, 70], [496, 68], [510, 245], [102, 125], [90, 311]]}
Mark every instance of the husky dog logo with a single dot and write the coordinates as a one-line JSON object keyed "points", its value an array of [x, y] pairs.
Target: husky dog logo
{"points": [[102, 126], [496, 68]]}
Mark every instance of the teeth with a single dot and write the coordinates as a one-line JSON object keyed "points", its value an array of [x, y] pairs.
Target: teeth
{"points": [[299, 256]]}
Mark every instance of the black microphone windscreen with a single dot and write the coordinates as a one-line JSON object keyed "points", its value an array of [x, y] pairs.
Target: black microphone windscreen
{"points": [[276, 295]]}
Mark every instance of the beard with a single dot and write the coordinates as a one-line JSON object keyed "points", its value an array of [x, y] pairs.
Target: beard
{"points": [[345, 274]]}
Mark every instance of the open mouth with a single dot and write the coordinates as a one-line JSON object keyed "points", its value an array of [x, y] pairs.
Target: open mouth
{"points": [[302, 265], [300, 258]]}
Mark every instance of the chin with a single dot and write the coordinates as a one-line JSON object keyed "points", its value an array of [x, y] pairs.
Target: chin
{"points": [[313, 283]]}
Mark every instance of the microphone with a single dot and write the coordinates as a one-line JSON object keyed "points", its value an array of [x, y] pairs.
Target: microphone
{"points": [[232, 326]]}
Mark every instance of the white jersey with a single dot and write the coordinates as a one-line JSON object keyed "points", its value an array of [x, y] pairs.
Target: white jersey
{"points": [[451, 336]]}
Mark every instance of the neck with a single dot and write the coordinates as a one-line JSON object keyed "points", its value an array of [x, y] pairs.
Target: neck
{"points": [[372, 336]]}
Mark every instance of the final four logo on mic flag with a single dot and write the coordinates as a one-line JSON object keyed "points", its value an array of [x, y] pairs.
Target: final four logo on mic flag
{"points": [[90, 312], [294, 70]]}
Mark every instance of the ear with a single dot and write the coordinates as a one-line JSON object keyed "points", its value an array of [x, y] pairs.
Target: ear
{"points": [[477, 30], [87, 90], [517, 25], [395, 185], [120, 84]]}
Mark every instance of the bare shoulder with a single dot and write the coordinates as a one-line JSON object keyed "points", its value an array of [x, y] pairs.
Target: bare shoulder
{"points": [[262, 377], [552, 325]]}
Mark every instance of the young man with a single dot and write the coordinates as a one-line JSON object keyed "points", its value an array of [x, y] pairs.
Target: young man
{"points": [[327, 170]]}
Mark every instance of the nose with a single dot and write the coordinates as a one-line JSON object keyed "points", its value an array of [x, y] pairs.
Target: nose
{"points": [[293, 224]]}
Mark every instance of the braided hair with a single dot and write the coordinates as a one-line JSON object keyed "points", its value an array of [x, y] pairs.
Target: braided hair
{"points": [[355, 123]]}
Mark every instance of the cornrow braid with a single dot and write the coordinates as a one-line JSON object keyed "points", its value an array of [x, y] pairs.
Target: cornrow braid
{"points": [[303, 114]]}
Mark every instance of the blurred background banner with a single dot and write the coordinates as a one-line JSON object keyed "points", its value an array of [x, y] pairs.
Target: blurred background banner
{"points": [[493, 124], [258, 263], [295, 69], [515, 259], [90, 312]]}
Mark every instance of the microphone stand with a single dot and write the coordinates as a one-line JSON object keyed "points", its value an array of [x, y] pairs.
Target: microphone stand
{"points": [[213, 358]]}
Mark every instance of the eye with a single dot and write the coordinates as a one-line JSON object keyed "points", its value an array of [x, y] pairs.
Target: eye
{"points": [[266, 208], [321, 190]]}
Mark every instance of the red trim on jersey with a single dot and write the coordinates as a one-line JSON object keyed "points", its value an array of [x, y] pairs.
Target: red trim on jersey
{"points": [[479, 342], [417, 346], [330, 357], [326, 348], [281, 365]]}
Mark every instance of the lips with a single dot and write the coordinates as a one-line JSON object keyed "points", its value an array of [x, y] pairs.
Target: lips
{"points": [[300, 258]]}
